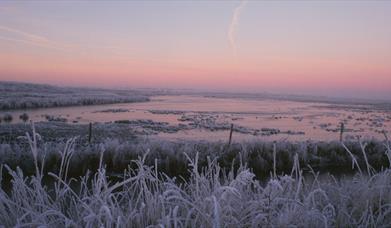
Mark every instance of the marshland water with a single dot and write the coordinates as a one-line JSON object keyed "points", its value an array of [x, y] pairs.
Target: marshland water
{"points": [[196, 117]]}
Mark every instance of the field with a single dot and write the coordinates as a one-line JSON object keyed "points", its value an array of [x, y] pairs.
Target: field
{"points": [[123, 173], [26, 96]]}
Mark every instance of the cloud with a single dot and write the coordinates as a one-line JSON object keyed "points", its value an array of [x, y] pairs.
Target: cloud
{"points": [[33, 37], [29, 38], [233, 26], [18, 36]]}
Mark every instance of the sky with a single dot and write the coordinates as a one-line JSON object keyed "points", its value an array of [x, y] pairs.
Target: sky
{"points": [[327, 48]]}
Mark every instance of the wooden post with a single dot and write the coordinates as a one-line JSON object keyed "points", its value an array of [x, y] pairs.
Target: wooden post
{"points": [[230, 134], [274, 159], [341, 134], [90, 133]]}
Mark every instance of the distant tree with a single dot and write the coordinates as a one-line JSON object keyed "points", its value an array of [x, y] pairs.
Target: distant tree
{"points": [[7, 118], [24, 117]]}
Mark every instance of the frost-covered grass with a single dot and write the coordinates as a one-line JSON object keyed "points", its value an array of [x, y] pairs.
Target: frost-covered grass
{"points": [[211, 195], [55, 131], [122, 146], [25, 96]]}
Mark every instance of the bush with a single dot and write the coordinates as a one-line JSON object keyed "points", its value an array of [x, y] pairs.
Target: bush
{"points": [[7, 118], [24, 117]]}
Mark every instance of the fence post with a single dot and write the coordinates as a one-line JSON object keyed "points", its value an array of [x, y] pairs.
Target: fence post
{"points": [[230, 134], [90, 133], [341, 133]]}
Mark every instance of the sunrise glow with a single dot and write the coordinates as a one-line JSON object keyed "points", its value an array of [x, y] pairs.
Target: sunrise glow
{"points": [[342, 48]]}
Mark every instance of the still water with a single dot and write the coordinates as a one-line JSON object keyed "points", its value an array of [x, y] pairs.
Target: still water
{"points": [[209, 118]]}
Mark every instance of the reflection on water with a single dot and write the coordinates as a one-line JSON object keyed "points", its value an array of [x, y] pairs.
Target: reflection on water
{"points": [[210, 118]]}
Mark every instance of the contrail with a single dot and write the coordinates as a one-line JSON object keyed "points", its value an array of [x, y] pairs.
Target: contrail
{"points": [[234, 24]]}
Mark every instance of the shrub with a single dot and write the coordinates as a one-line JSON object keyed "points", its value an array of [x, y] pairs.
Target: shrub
{"points": [[7, 118], [24, 117]]}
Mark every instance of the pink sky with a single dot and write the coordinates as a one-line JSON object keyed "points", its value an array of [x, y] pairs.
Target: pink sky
{"points": [[322, 48]]}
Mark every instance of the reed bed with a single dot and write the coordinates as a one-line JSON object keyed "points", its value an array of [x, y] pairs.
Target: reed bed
{"points": [[259, 156], [211, 194]]}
